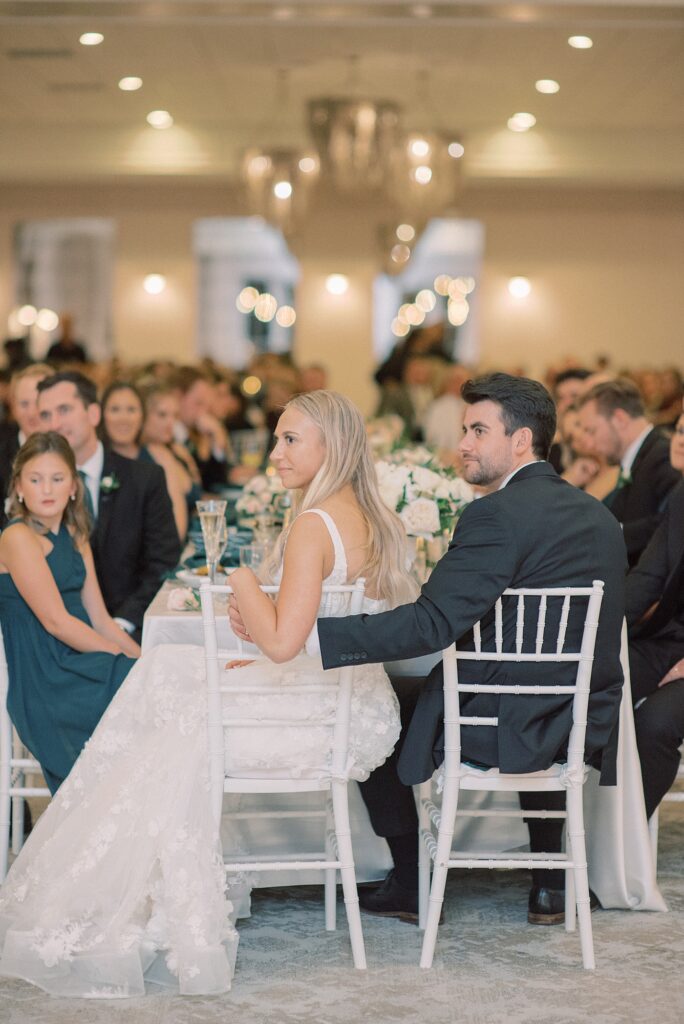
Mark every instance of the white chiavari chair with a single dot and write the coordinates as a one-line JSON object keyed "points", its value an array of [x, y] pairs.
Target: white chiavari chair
{"points": [[569, 776], [16, 765], [337, 853]]}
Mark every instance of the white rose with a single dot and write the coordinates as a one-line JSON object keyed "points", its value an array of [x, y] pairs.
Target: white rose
{"points": [[420, 517], [181, 599], [426, 480], [260, 485]]}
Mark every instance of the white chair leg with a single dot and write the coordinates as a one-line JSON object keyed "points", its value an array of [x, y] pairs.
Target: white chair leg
{"points": [[347, 872], [330, 885], [575, 829], [653, 836], [424, 859], [570, 901], [5, 810], [445, 837]]}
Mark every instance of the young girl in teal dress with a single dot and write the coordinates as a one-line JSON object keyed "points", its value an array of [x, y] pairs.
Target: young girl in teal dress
{"points": [[65, 654]]}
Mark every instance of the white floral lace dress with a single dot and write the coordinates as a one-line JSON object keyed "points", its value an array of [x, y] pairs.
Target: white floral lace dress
{"points": [[121, 882]]}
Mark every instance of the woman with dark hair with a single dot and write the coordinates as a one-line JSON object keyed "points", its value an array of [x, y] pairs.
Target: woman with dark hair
{"points": [[66, 656], [124, 419]]}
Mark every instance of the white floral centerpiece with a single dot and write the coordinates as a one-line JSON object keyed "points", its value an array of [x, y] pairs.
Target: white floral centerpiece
{"points": [[428, 496], [263, 495]]}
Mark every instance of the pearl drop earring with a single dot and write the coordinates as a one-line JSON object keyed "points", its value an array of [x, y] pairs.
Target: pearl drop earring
{"points": [[20, 499]]}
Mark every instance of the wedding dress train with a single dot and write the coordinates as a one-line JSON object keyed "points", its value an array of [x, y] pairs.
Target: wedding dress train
{"points": [[121, 881]]}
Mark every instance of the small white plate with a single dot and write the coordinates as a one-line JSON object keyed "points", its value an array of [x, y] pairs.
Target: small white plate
{"points": [[193, 579]]}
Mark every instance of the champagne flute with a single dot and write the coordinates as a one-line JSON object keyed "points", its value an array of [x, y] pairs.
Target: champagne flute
{"points": [[212, 516]]}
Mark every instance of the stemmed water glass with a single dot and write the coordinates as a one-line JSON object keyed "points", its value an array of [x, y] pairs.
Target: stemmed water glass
{"points": [[212, 516]]}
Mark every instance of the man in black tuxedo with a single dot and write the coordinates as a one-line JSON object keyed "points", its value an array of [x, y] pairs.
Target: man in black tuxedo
{"points": [[655, 619], [134, 537], [615, 426], [531, 529]]}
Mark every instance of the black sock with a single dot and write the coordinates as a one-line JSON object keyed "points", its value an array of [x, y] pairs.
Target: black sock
{"points": [[404, 850]]}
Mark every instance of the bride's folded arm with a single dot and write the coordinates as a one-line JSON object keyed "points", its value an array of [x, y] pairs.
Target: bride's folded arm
{"points": [[280, 629]]}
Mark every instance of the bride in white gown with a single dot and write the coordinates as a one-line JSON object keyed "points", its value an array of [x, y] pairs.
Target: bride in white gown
{"points": [[121, 881]]}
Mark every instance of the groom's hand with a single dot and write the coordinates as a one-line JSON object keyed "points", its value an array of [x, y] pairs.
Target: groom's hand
{"points": [[236, 623]]}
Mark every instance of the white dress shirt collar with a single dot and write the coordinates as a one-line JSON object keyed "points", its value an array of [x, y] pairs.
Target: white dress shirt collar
{"points": [[511, 475], [92, 468], [630, 455]]}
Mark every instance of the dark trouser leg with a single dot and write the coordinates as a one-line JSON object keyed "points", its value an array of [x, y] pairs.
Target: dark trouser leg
{"points": [[659, 724], [391, 805], [649, 660], [546, 834]]}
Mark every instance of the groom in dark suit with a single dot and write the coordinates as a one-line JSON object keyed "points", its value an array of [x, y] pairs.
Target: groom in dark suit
{"points": [[134, 537], [531, 529]]}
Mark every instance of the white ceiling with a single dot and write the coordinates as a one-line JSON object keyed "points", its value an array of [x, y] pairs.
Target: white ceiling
{"points": [[239, 74]]}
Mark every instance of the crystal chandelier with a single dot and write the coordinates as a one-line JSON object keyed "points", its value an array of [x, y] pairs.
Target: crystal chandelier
{"points": [[278, 183], [355, 140]]}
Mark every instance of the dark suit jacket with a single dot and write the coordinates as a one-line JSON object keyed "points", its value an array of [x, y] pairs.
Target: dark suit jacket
{"points": [[639, 505], [658, 578], [538, 531], [135, 541]]}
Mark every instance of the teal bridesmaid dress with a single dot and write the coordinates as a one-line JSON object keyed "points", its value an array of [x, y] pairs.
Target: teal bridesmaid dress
{"points": [[56, 695]]}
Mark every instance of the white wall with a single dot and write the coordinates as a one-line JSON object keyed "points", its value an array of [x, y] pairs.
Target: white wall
{"points": [[606, 270]]}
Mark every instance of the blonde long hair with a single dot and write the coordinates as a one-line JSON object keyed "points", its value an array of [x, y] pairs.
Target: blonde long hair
{"points": [[348, 460], [75, 515]]}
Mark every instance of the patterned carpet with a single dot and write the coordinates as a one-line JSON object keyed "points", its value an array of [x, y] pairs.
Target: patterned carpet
{"points": [[491, 967]]}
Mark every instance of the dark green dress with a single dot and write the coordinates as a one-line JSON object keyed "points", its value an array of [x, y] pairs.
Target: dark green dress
{"points": [[56, 695]]}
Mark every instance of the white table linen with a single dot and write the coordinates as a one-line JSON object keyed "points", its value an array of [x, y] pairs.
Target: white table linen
{"points": [[621, 871]]}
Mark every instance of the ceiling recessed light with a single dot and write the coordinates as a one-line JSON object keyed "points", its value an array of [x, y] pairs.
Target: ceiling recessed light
{"points": [[581, 42], [456, 150], [91, 39], [547, 86], [283, 13], [159, 119], [421, 10], [282, 189], [130, 83], [521, 122]]}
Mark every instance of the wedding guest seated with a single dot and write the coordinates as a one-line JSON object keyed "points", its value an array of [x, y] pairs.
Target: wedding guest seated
{"points": [[443, 420], [410, 398], [23, 408], [590, 472], [615, 427], [65, 348], [567, 388], [655, 618], [122, 424], [199, 430], [160, 401], [124, 873], [65, 654], [133, 536], [531, 529], [313, 377]]}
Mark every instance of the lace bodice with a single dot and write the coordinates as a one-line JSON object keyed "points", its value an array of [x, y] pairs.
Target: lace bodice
{"points": [[334, 605]]}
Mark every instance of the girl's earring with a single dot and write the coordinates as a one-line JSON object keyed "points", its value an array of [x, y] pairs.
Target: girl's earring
{"points": [[73, 497], [20, 499]]}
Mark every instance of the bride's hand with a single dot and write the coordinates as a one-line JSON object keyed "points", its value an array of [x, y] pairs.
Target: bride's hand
{"points": [[236, 623], [238, 663]]}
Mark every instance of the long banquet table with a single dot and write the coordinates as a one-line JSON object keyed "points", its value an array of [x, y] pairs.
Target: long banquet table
{"points": [[621, 870]]}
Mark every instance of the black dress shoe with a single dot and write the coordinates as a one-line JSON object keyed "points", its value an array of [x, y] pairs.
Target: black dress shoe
{"points": [[391, 900], [547, 906]]}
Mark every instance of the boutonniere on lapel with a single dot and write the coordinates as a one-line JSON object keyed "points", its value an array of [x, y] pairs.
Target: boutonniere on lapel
{"points": [[109, 484]]}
